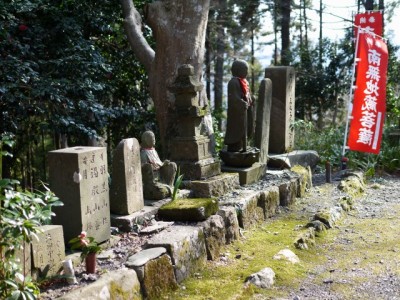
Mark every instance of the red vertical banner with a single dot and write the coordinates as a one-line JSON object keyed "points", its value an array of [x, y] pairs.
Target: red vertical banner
{"points": [[369, 103], [371, 21]]}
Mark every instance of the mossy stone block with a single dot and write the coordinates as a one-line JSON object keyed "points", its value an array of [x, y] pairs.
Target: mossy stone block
{"points": [[189, 209]]}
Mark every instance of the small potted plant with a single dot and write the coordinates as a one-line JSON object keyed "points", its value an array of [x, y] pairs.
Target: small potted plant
{"points": [[89, 248]]}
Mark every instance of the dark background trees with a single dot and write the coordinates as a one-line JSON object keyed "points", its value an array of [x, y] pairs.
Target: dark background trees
{"points": [[69, 76]]}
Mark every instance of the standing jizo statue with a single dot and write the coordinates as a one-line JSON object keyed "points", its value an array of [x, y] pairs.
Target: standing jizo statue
{"points": [[240, 123], [158, 176], [241, 119]]}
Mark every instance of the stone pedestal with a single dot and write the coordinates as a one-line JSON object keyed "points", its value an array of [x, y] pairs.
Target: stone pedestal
{"points": [[191, 150], [247, 175], [79, 177], [281, 136]]}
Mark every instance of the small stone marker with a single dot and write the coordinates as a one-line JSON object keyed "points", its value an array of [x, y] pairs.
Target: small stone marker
{"points": [[79, 177], [281, 136], [126, 194], [261, 138], [49, 250]]}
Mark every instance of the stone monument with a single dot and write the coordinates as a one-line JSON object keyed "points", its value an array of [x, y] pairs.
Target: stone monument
{"points": [[158, 176], [126, 193], [191, 150], [48, 251], [261, 138], [79, 177], [281, 137]]}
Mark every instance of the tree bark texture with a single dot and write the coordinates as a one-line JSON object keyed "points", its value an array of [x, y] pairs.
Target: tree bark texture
{"points": [[285, 10], [179, 29]]}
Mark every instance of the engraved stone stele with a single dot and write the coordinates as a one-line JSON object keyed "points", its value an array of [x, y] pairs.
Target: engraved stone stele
{"points": [[126, 193], [261, 137], [191, 150], [281, 136], [48, 251], [79, 177]]}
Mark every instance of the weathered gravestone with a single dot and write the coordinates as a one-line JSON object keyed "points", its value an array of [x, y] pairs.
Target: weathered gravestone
{"points": [[281, 136], [261, 138], [126, 194], [79, 177], [48, 251]]}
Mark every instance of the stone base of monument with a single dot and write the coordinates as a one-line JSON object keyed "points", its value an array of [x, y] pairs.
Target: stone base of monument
{"points": [[240, 159], [214, 186], [202, 169], [247, 175], [305, 158]]}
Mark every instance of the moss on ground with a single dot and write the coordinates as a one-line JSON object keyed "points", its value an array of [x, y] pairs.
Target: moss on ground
{"points": [[355, 251], [250, 255]]}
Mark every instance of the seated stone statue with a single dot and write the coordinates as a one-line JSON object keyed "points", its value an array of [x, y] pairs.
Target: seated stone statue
{"points": [[158, 177], [240, 121]]}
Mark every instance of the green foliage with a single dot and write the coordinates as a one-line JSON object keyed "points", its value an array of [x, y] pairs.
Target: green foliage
{"points": [[66, 69], [328, 142], [21, 215], [86, 244], [177, 184]]}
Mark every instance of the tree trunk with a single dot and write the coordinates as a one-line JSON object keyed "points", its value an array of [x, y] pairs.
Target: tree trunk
{"points": [[219, 62], [179, 29], [285, 10]]}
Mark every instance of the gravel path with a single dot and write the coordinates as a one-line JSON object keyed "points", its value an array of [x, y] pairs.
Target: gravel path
{"points": [[363, 250]]}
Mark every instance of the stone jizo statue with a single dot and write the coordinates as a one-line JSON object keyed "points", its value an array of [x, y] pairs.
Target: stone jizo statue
{"points": [[240, 122], [158, 176]]}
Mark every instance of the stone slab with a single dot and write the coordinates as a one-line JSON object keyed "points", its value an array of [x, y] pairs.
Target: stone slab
{"points": [[214, 186], [160, 225], [214, 232], [188, 210], [186, 247], [281, 136], [247, 175], [261, 136], [125, 223], [119, 284], [269, 201], [141, 258], [79, 177], [246, 204], [231, 223], [126, 192], [49, 251], [202, 169], [304, 158]]}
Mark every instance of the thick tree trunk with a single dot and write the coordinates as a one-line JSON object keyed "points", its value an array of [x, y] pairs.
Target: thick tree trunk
{"points": [[179, 29]]}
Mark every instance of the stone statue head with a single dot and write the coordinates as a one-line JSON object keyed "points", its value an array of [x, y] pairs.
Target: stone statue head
{"points": [[148, 139], [239, 68]]}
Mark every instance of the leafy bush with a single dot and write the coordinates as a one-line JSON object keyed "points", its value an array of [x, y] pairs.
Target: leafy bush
{"points": [[21, 215], [328, 142]]}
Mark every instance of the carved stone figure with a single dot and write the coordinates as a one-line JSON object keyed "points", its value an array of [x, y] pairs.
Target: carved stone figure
{"points": [[240, 123], [158, 177]]}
